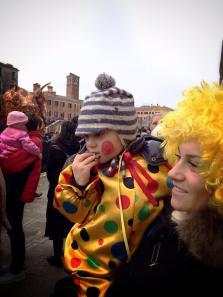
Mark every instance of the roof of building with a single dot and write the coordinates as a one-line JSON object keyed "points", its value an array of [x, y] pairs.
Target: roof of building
{"points": [[8, 66]]}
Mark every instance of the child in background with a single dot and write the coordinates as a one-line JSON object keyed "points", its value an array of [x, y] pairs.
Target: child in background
{"points": [[15, 136], [112, 191]]}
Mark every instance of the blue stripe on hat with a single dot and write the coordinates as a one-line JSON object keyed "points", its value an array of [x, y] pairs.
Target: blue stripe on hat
{"points": [[107, 112], [108, 103]]}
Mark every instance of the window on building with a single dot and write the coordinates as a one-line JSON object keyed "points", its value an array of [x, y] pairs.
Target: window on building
{"points": [[69, 105], [49, 113], [69, 116], [56, 114], [56, 103], [62, 104], [49, 102], [0, 71], [13, 74]]}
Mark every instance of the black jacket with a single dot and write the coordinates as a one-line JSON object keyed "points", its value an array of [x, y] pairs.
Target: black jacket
{"points": [[163, 262], [57, 226]]}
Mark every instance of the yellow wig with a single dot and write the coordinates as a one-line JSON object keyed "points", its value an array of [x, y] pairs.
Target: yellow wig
{"points": [[199, 117]]}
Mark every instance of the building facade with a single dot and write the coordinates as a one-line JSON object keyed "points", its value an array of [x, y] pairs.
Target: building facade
{"points": [[8, 77], [146, 112], [63, 107]]}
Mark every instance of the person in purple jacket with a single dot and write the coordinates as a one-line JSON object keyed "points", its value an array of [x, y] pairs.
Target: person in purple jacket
{"points": [[15, 136]]}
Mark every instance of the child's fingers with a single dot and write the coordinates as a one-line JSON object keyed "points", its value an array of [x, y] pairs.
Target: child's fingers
{"points": [[82, 157], [89, 160]]}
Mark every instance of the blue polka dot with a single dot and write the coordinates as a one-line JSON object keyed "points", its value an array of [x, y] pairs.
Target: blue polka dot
{"points": [[70, 208], [169, 183], [118, 251], [105, 172]]}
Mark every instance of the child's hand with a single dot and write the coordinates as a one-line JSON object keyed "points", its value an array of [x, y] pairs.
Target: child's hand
{"points": [[82, 165]]}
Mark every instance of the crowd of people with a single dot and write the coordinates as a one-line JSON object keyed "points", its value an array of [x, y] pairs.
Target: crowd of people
{"points": [[136, 212]]}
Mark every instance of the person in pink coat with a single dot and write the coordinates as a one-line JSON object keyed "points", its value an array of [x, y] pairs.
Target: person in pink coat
{"points": [[15, 136], [21, 172]]}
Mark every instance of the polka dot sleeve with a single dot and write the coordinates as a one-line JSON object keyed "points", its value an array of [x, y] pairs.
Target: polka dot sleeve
{"points": [[74, 204]]}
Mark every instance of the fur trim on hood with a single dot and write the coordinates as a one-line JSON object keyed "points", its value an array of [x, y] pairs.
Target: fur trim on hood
{"points": [[202, 232]]}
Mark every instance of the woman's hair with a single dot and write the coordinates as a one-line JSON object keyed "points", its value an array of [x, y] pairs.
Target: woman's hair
{"points": [[67, 140], [34, 122], [67, 131], [199, 118]]}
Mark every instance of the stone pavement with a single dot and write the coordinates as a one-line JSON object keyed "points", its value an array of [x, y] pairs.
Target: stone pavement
{"points": [[40, 276]]}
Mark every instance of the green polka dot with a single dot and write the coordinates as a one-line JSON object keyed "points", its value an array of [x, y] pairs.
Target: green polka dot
{"points": [[136, 198], [92, 262], [101, 208], [160, 181], [87, 202], [111, 226], [144, 213]]}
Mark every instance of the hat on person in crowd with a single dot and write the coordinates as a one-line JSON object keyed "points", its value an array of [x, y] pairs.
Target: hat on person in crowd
{"points": [[108, 108], [16, 117]]}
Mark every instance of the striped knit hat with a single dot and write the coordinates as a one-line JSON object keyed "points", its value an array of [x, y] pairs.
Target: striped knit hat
{"points": [[108, 108]]}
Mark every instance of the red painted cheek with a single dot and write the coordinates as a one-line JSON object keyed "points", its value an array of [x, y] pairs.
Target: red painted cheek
{"points": [[107, 148]]}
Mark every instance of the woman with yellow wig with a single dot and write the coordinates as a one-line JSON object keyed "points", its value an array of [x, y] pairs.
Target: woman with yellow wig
{"points": [[184, 247]]}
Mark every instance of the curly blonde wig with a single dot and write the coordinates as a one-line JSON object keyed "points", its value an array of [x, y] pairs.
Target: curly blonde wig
{"points": [[199, 117]]}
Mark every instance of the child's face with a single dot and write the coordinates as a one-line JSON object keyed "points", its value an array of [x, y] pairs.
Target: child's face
{"points": [[20, 126], [106, 145]]}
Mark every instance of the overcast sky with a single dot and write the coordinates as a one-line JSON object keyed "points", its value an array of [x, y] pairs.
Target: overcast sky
{"points": [[154, 49]]}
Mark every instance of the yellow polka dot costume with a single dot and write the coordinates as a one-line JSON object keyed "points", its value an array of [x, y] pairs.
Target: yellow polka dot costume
{"points": [[121, 200], [95, 246]]}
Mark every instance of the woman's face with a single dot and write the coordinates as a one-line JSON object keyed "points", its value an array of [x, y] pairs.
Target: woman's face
{"points": [[188, 193], [105, 145]]}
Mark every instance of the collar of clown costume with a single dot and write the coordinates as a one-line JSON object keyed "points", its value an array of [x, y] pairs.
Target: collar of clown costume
{"points": [[123, 161]]}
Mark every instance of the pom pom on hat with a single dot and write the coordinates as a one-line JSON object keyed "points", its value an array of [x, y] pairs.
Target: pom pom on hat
{"points": [[104, 81]]}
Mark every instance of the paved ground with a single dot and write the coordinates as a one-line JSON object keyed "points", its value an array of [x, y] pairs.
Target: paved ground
{"points": [[41, 276]]}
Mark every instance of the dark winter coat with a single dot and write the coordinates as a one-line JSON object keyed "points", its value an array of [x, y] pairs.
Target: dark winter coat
{"points": [[57, 226], [163, 261]]}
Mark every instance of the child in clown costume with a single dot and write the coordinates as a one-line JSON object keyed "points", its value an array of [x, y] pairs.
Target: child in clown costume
{"points": [[112, 191]]}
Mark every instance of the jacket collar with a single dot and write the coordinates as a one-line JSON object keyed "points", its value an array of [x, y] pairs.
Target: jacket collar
{"points": [[202, 232]]}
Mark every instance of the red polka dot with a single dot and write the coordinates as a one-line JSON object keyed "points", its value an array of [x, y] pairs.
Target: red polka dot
{"points": [[75, 262], [125, 202], [153, 186], [58, 188], [67, 178], [100, 241]]}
